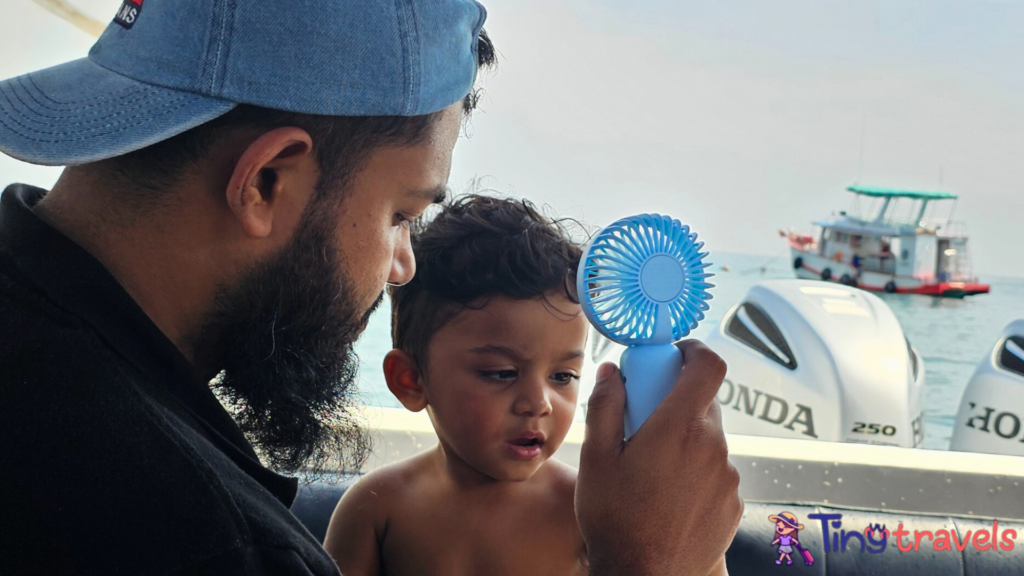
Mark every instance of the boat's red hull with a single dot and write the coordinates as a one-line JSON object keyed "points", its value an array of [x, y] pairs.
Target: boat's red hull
{"points": [[950, 289], [943, 289]]}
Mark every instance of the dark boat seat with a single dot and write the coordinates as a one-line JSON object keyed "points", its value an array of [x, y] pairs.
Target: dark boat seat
{"points": [[752, 555], [315, 503]]}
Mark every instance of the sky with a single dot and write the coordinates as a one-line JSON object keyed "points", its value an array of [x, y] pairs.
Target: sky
{"points": [[739, 117]]}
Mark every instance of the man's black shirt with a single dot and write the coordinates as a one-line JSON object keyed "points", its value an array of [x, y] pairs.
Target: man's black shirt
{"points": [[114, 457]]}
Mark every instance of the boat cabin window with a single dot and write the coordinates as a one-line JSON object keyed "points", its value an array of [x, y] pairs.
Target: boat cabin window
{"points": [[953, 262]]}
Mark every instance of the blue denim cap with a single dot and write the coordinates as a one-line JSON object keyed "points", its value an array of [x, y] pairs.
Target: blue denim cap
{"points": [[165, 66]]}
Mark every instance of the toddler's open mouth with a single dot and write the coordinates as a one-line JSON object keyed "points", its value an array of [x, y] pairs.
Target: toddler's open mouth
{"points": [[527, 446]]}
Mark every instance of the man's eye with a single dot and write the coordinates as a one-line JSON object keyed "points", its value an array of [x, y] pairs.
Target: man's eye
{"points": [[402, 220]]}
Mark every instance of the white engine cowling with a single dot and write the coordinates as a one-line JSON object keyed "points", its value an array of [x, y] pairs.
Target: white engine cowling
{"points": [[991, 414], [815, 360]]}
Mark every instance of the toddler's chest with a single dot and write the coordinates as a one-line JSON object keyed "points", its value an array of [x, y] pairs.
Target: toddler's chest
{"points": [[469, 543]]}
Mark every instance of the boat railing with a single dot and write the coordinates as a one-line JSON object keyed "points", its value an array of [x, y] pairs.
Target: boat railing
{"points": [[949, 228]]}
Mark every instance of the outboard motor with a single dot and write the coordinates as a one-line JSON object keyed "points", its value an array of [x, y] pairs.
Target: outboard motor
{"points": [[815, 360], [992, 407]]}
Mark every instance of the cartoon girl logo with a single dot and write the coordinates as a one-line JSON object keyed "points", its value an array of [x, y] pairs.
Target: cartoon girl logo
{"points": [[787, 530]]}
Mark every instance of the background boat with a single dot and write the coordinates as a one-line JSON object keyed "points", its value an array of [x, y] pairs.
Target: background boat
{"points": [[892, 245]]}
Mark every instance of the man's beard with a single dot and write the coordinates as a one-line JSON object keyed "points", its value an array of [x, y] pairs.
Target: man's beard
{"points": [[282, 339]]}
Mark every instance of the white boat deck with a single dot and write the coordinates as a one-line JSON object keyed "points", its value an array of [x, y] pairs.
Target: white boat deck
{"points": [[856, 476]]}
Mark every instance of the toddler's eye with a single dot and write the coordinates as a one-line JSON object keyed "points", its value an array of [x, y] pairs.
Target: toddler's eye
{"points": [[565, 378], [500, 375]]}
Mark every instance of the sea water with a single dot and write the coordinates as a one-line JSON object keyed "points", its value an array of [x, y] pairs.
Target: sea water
{"points": [[952, 335]]}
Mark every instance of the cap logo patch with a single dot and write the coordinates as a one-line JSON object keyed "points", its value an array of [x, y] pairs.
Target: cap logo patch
{"points": [[128, 13]]}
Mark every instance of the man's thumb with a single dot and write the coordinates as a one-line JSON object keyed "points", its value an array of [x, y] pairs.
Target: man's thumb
{"points": [[605, 410]]}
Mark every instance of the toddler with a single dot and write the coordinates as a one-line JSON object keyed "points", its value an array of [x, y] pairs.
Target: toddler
{"points": [[489, 340]]}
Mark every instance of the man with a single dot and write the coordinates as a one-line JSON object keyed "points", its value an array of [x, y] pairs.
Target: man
{"points": [[184, 301]]}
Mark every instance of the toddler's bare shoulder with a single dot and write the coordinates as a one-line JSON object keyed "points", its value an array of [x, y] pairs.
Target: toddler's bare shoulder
{"points": [[395, 479], [562, 477]]}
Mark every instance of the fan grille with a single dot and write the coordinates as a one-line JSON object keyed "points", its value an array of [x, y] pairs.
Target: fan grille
{"points": [[619, 297]]}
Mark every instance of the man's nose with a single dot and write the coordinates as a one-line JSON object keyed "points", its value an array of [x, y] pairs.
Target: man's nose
{"points": [[403, 263]]}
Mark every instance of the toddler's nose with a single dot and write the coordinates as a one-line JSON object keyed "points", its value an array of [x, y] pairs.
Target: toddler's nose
{"points": [[533, 398]]}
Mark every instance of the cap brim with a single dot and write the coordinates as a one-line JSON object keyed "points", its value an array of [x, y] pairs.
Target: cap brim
{"points": [[80, 112]]}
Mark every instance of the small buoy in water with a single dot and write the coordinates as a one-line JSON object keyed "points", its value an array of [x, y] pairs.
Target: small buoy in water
{"points": [[725, 268]]}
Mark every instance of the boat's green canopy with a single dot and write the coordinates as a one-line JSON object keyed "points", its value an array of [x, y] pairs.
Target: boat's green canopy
{"points": [[891, 193]]}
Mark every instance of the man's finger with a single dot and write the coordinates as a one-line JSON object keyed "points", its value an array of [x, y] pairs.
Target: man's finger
{"points": [[714, 416], [697, 386], [604, 430]]}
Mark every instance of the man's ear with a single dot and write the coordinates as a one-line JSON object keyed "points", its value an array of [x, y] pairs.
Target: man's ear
{"points": [[273, 179], [404, 380]]}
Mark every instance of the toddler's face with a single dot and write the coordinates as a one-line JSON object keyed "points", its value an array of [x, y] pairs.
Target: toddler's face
{"points": [[502, 382]]}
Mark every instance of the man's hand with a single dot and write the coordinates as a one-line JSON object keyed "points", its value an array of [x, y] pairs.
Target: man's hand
{"points": [[665, 502]]}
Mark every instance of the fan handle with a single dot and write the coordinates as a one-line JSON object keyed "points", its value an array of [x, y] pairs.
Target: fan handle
{"points": [[650, 371]]}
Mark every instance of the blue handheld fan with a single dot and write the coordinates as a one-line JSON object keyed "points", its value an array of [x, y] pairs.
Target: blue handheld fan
{"points": [[641, 282]]}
